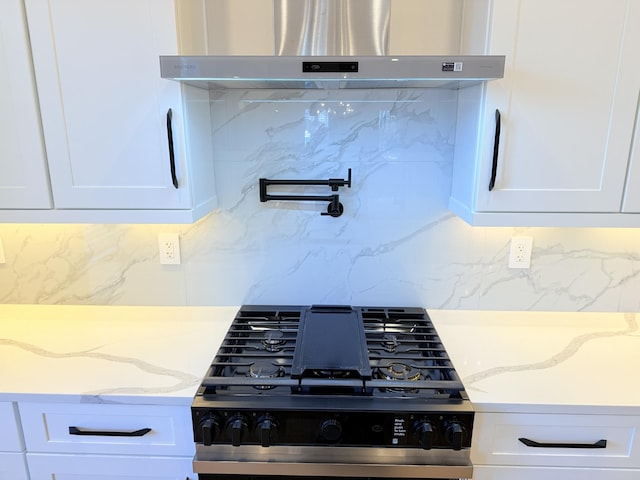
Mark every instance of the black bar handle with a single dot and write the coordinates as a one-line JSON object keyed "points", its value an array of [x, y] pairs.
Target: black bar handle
{"points": [[172, 155], [496, 145], [109, 433], [534, 444]]}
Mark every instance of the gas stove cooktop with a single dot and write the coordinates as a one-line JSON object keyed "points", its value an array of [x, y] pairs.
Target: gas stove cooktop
{"points": [[332, 350], [332, 375]]}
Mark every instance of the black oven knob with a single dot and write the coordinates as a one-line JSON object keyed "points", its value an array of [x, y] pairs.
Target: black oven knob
{"points": [[237, 429], [210, 429], [331, 430], [456, 434], [266, 430], [424, 431]]}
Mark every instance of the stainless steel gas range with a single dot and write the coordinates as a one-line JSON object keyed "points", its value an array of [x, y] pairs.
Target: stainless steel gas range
{"points": [[332, 391]]}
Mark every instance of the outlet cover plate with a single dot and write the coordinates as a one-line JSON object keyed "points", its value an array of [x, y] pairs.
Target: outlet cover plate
{"points": [[169, 248], [520, 252]]}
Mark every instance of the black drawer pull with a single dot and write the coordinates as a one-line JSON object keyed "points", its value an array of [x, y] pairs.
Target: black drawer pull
{"points": [[532, 443], [101, 433]]}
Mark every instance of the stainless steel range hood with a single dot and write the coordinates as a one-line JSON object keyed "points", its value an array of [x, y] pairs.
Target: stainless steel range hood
{"points": [[331, 72], [331, 44]]}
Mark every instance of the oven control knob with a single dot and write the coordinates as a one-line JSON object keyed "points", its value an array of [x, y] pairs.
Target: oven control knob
{"points": [[424, 430], [237, 429], [210, 428], [266, 430], [331, 430], [456, 434]]}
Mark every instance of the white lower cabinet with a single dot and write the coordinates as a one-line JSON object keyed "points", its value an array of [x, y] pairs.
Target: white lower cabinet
{"points": [[44, 466], [555, 446], [484, 472], [13, 466], [107, 441], [12, 457]]}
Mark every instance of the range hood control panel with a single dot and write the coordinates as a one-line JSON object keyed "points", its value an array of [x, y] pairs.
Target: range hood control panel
{"points": [[329, 67]]}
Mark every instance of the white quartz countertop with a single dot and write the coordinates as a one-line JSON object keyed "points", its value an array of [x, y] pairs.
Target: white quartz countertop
{"points": [[154, 355], [508, 361], [543, 362]]}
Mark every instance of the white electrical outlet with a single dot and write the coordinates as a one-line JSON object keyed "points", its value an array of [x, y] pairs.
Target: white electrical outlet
{"points": [[520, 252], [169, 248], [2, 259]]}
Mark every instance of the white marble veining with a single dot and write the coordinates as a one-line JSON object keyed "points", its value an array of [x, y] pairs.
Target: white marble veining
{"points": [[543, 361], [395, 244], [112, 354], [533, 362]]}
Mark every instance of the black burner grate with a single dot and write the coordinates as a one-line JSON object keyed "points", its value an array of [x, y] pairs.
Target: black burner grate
{"points": [[276, 350]]}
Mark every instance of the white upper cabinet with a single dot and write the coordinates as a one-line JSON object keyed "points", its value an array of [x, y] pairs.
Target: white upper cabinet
{"points": [[104, 112], [23, 182], [567, 104], [631, 203]]}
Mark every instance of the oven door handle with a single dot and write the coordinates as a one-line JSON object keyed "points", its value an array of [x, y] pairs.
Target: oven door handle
{"points": [[534, 444], [108, 433]]}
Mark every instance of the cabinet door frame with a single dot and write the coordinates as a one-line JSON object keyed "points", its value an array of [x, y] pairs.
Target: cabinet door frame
{"points": [[13, 466], [603, 191], [24, 182], [45, 466], [126, 183]]}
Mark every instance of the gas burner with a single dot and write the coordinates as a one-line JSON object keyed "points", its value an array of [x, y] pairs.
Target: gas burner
{"points": [[273, 340], [398, 371], [265, 370], [389, 342]]}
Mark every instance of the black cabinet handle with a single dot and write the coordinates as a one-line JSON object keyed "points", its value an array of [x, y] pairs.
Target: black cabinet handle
{"points": [[496, 145], [172, 155], [532, 443], [136, 433]]}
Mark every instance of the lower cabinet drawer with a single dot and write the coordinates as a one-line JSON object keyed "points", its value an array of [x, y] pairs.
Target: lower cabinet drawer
{"points": [[559, 440], [10, 434], [107, 428], [553, 473], [13, 466], [44, 466]]}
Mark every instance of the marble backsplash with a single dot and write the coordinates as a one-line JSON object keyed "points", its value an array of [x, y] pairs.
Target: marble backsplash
{"points": [[395, 244]]}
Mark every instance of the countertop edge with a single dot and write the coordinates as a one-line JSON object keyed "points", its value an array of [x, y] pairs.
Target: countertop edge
{"points": [[157, 400]]}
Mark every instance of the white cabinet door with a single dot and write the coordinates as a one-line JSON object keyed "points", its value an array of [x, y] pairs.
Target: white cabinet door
{"points": [[567, 104], [114, 429], [24, 181], [107, 441], [108, 467], [104, 104], [12, 460], [543, 473], [545, 446], [631, 202], [556, 440], [13, 466], [11, 439]]}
